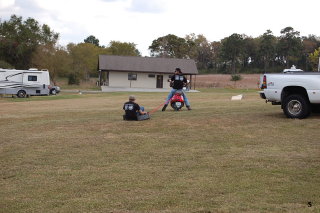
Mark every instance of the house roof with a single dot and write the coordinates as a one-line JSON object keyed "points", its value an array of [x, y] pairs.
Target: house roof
{"points": [[146, 64]]}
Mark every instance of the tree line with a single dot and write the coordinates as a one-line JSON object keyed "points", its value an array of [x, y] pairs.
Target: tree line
{"points": [[26, 43], [240, 53]]}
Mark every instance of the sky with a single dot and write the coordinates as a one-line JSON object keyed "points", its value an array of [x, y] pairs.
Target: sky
{"points": [[142, 21]]}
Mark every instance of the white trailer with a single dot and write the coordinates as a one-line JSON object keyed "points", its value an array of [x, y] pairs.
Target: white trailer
{"points": [[24, 82]]}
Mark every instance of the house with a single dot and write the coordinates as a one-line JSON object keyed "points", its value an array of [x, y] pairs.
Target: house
{"points": [[142, 72]]}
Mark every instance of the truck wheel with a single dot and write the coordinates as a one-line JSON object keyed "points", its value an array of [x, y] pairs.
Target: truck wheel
{"points": [[21, 94], [53, 92], [296, 106]]}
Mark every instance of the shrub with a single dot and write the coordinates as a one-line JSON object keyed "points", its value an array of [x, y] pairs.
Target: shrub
{"points": [[73, 79], [235, 77]]}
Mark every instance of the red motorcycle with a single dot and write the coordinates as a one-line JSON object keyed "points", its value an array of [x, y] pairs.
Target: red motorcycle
{"points": [[177, 101]]}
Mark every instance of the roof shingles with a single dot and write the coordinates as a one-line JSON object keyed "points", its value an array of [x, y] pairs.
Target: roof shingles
{"points": [[146, 64]]}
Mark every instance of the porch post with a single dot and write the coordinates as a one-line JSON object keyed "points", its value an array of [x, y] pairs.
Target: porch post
{"points": [[99, 77]]}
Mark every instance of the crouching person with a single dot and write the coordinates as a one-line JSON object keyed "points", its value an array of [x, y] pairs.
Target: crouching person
{"points": [[133, 111]]}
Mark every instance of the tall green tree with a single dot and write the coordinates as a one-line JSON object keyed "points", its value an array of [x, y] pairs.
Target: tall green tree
{"points": [[19, 39], [249, 54], [83, 60], [310, 43], [92, 40], [231, 50], [55, 59], [170, 46], [314, 59], [216, 62], [267, 49], [289, 46], [200, 49], [123, 48]]}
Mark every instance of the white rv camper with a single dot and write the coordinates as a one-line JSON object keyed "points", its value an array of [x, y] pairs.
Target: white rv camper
{"points": [[24, 82]]}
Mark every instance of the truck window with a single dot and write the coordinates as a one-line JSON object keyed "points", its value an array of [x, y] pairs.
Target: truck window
{"points": [[32, 78]]}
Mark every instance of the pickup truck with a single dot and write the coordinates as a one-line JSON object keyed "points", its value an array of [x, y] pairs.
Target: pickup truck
{"points": [[297, 92]]}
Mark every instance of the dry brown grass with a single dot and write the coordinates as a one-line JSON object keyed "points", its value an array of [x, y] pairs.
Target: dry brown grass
{"points": [[77, 155], [248, 81]]}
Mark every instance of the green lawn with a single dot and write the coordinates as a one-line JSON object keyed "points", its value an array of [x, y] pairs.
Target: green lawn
{"points": [[74, 153]]}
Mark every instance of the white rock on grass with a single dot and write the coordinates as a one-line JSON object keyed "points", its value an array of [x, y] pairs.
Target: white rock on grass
{"points": [[237, 98]]}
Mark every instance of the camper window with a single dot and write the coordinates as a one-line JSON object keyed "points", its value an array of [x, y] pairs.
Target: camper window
{"points": [[32, 78]]}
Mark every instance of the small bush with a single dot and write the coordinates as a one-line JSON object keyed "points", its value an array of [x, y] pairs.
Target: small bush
{"points": [[73, 79], [236, 77]]}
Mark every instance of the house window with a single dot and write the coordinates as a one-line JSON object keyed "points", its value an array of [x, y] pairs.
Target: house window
{"points": [[32, 78], [151, 75], [132, 77]]}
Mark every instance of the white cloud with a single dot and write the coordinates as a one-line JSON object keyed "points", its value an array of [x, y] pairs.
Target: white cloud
{"points": [[147, 6], [142, 21], [6, 3]]}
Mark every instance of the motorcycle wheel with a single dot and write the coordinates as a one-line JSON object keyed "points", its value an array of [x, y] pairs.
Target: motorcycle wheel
{"points": [[177, 105]]}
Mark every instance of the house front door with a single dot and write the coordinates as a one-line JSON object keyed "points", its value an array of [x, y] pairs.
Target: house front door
{"points": [[159, 81]]}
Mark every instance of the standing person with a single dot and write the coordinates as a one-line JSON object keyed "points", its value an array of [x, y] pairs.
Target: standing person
{"points": [[132, 109], [178, 81]]}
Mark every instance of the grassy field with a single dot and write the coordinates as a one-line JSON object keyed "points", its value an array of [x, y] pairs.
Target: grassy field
{"points": [[74, 153]]}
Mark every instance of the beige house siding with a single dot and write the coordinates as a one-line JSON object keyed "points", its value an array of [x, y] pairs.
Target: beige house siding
{"points": [[120, 79], [114, 70]]}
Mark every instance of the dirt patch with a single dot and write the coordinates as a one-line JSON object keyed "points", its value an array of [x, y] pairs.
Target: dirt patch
{"points": [[248, 81]]}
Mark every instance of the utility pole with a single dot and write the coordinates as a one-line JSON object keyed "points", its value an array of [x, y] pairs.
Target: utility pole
{"points": [[319, 65]]}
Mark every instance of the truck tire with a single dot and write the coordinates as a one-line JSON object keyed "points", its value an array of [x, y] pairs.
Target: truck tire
{"points": [[296, 106], [53, 92], [21, 94]]}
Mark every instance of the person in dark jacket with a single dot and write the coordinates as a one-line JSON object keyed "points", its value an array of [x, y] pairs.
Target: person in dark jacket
{"points": [[177, 82], [132, 109]]}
